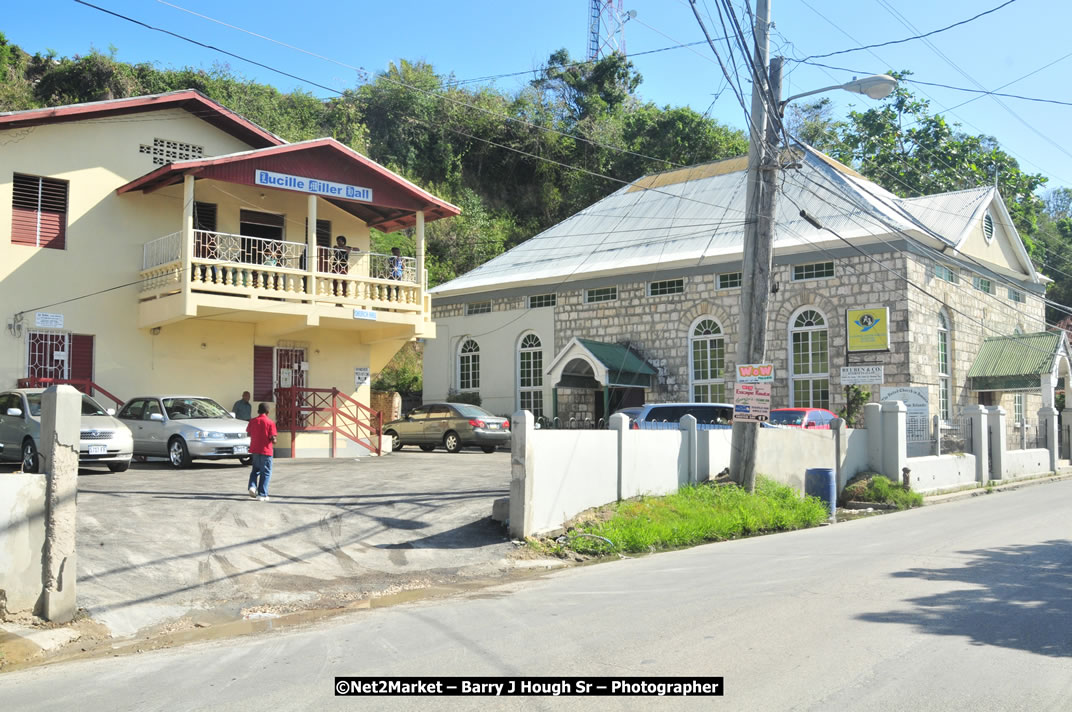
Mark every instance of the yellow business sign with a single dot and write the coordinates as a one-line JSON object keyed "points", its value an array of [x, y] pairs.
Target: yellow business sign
{"points": [[869, 329]]}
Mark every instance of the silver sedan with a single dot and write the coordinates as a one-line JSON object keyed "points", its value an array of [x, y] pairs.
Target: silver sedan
{"points": [[185, 428]]}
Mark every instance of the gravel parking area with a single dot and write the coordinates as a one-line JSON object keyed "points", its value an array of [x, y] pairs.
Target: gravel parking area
{"points": [[157, 544]]}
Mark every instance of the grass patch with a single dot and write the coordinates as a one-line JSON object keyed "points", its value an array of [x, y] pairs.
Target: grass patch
{"points": [[871, 487], [697, 514]]}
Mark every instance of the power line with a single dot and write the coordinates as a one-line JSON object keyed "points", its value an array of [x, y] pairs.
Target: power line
{"points": [[914, 37]]}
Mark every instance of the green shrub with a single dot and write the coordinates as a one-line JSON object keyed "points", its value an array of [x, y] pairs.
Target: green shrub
{"points": [[872, 487]]}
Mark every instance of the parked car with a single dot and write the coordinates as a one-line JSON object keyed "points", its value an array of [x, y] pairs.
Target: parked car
{"points": [[658, 416], [452, 425], [104, 440], [802, 417], [185, 428], [631, 412]]}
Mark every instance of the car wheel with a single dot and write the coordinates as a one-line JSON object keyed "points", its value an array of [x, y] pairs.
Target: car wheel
{"points": [[452, 442], [178, 454], [119, 466], [31, 461], [246, 460], [428, 447], [396, 442], [488, 449]]}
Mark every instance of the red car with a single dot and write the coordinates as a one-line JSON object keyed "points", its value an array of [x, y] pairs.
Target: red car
{"points": [[802, 417]]}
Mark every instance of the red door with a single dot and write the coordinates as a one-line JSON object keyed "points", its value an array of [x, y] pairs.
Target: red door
{"points": [[289, 374], [81, 360]]}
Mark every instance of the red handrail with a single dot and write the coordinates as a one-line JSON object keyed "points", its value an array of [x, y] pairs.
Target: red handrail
{"points": [[84, 384], [300, 409]]}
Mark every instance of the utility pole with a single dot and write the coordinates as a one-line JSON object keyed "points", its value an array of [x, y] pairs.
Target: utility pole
{"points": [[758, 247]]}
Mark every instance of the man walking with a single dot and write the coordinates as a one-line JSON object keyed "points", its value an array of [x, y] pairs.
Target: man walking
{"points": [[242, 408], [262, 434]]}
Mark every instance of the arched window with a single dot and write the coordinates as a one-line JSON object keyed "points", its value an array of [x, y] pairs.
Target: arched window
{"points": [[530, 374], [810, 380], [469, 366], [707, 357], [945, 378]]}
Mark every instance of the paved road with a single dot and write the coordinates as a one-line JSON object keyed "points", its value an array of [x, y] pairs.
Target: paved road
{"points": [[963, 605], [155, 543]]}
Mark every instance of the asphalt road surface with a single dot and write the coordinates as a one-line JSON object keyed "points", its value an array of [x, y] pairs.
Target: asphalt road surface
{"points": [[966, 605]]}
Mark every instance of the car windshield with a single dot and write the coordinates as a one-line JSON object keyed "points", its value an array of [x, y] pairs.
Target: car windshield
{"points": [[186, 408], [89, 406], [787, 417], [471, 411]]}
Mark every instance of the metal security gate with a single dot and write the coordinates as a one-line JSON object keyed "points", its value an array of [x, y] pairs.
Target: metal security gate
{"points": [[48, 354], [291, 368]]}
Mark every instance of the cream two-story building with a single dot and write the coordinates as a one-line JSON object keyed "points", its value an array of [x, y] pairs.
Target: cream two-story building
{"points": [[165, 244]]}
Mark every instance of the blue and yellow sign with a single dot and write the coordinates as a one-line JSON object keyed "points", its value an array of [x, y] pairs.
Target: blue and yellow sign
{"points": [[869, 329]]}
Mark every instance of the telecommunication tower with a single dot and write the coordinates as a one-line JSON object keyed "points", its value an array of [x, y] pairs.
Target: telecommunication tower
{"points": [[606, 28]]}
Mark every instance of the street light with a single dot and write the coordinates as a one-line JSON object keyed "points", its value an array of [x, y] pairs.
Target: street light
{"points": [[877, 86]]}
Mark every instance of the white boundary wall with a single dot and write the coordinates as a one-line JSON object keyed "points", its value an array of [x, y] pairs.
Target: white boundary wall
{"points": [[938, 472], [1025, 463]]}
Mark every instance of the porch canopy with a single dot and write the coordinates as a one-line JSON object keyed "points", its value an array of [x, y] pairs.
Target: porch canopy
{"points": [[1023, 362], [585, 363], [322, 167]]}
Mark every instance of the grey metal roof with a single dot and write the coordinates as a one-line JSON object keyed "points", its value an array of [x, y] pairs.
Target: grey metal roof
{"points": [[695, 216]]}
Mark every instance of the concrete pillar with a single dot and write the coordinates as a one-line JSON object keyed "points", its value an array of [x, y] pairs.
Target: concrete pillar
{"points": [[1048, 425], [421, 277], [873, 421], [977, 417], [894, 439], [1067, 434], [995, 422], [1049, 384], [936, 434], [687, 425], [187, 247], [312, 259], [523, 425], [619, 423], [61, 415]]}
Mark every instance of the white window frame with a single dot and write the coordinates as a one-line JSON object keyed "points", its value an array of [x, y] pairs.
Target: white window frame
{"points": [[977, 282], [812, 375], [551, 299], [588, 295], [473, 359], [738, 275], [949, 275], [945, 370], [711, 382], [473, 308], [534, 390], [1015, 295], [678, 282], [833, 271]]}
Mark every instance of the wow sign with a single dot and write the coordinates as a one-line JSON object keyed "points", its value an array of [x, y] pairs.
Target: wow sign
{"points": [[755, 373]]}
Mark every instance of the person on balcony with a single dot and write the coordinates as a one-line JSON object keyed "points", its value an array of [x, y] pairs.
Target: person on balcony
{"points": [[395, 264], [340, 262]]}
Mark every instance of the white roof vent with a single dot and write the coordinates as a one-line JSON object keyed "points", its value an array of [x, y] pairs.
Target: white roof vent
{"points": [[988, 226]]}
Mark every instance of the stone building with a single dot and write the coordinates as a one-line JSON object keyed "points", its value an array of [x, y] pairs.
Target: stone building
{"points": [[654, 270]]}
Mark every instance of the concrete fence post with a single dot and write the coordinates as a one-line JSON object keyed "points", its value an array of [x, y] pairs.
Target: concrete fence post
{"points": [[995, 421], [977, 422], [873, 421], [522, 466], [894, 439], [619, 423], [61, 414], [1048, 425], [687, 425], [936, 434]]}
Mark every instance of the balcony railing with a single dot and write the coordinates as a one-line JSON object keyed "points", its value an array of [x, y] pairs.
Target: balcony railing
{"points": [[240, 265]]}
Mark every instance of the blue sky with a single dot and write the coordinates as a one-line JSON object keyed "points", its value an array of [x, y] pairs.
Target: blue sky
{"points": [[477, 38]]}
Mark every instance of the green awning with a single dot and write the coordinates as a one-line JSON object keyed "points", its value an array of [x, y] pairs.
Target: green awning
{"points": [[1014, 363], [624, 366]]}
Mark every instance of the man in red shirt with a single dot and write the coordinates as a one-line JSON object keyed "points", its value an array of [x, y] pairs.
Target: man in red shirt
{"points": [[262, 432]]}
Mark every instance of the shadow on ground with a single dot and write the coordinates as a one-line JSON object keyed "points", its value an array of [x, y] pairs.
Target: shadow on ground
{"points": [[1020, 597]]}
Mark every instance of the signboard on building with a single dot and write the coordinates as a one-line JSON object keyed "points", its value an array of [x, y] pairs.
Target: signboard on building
{"points": [[286, 378], [868, 329], [861, 375], [369, 314], [316, 186], [45, 320], [751, 402], [916, 399], [361, 376], [755, 373]]}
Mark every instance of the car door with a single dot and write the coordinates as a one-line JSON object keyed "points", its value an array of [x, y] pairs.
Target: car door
{"points": [[131, 414], [411, 430], [438, 423], [8, 425], [155, 430]]}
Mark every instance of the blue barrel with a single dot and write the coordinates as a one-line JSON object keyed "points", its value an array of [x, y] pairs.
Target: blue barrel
{"points": [[820, 482]]}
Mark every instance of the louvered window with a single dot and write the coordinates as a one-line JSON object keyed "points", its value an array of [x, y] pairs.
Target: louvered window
{"points": [[39, 212]]}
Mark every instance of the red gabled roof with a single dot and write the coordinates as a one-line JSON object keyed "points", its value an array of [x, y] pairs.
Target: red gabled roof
{"points": [[189, 99], [395, 199]]}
